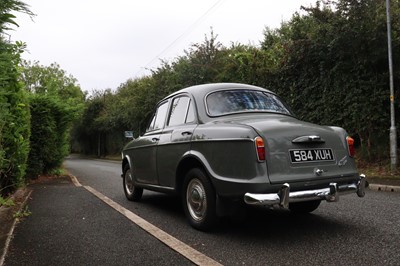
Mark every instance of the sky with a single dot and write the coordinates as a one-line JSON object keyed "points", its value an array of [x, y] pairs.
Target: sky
{"points": [[104, 43]]}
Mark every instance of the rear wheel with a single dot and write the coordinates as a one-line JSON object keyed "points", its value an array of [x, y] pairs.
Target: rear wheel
{"points": [[132, 192], [305, 206], [199, 200]]}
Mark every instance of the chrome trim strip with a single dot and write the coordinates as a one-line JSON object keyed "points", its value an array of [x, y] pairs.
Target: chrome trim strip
{"points": [[220, 140], [155, 187], [284, 196], [309, 139]]}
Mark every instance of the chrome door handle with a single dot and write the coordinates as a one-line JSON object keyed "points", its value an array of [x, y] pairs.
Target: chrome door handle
{"points": [[186, 133], [155, 139]]}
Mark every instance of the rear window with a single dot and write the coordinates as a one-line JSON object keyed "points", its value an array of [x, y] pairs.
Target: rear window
{"points": [[239, 101]]}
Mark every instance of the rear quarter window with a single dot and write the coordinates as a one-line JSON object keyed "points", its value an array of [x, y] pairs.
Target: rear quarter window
{"points": [[158, 119], [179, 111]]}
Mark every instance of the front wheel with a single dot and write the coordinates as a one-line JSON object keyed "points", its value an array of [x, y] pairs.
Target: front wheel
{"points": [[132, 192], [305, 206], [199, 200]]}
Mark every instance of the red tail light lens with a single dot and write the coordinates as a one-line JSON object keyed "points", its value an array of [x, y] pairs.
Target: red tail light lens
{"points": [[350, 145], [260, 148]]}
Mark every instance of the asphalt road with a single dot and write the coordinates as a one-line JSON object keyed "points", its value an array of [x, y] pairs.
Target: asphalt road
{"points": [[353, 231]]}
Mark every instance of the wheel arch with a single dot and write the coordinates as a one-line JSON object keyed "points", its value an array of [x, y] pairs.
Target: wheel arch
{"points": [[126, 161], [185, 165]]}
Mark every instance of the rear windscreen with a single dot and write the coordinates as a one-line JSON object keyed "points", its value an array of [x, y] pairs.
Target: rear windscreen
{"points": [[239, 101]]}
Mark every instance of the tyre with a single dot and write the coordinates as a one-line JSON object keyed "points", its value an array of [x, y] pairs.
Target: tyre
{"points": [[199, 200], [305, 206], [132, 192]]}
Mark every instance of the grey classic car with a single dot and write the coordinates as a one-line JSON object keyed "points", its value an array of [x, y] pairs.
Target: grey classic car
{"points": [[222, 146]]}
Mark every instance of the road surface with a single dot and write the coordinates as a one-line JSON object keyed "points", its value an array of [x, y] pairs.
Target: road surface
{"points": [[353, 231]]}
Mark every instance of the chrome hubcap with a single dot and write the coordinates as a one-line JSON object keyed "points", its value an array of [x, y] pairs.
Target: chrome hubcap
{"points": [[129, 183], [196, 199]]}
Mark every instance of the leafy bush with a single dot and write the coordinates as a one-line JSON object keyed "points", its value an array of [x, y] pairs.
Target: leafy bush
{"points": [[14, 117], [55, 102], [335, 68], [14, 111], [47, 147]]}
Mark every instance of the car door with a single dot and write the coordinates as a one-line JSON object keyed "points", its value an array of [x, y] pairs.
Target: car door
{"points": [[144, 162], [175, 140]]}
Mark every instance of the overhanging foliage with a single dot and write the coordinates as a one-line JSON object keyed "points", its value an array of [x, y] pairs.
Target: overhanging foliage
{"points": [[14, 110]]}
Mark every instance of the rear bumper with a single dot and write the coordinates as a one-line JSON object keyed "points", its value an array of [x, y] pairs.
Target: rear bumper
{"points": [[284, 196]]}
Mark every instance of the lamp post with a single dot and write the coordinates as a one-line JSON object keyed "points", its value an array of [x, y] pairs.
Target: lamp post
{"points": [[393, 132]]}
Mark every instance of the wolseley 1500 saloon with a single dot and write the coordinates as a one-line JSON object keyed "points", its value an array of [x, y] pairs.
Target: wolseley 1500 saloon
{"points": [[223, 145]]}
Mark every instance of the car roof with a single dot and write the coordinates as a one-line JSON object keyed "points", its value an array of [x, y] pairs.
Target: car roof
{"points": [[199, 91]]}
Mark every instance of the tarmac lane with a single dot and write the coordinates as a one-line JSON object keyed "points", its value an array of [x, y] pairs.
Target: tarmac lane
{"points": [[91, 222], [71, 226]]}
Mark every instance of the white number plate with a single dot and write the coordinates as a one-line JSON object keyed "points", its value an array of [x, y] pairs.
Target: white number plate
{"points": [[312, 155]]}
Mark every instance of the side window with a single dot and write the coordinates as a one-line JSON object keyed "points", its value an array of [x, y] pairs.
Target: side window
{"points": [[158, 119], [180, 110]]}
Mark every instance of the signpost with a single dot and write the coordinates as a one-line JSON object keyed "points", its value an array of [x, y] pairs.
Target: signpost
{"points": [[129, 134]]}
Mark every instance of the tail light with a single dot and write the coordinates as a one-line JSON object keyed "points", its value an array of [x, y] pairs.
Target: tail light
{"points": [[260, 148], [350, 146]]}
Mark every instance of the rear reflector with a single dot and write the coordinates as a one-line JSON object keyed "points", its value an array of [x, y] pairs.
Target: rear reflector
{"points": [[260, 148], [350, 145]]}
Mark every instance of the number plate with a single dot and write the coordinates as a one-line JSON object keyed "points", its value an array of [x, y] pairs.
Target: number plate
{"points": [[312, 155]]}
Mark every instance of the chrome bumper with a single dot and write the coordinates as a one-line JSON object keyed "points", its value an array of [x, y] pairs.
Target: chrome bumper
{"points": [[284, 196]]}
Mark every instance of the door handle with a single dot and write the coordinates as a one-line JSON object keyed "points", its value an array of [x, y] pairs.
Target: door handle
{"points": [[186, 133], [155, 139]]}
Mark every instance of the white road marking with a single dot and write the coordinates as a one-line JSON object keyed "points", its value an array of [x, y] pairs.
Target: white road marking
{"points": [[75, 181], [175, 244]]}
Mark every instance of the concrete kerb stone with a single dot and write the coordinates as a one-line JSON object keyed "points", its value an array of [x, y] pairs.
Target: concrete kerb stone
{"points": [[387, 188]]}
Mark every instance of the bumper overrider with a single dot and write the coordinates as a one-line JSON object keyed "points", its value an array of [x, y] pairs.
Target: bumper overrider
{"points": [[284, 196]]}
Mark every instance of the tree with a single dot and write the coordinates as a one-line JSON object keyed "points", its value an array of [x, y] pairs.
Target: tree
{"points": [[56, 101], [7, 7]]}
